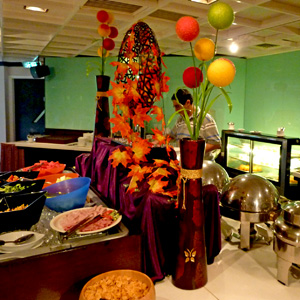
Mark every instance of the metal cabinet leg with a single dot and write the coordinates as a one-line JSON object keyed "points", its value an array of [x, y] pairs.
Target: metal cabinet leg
{"points": [[245, 235], [283, 267]]}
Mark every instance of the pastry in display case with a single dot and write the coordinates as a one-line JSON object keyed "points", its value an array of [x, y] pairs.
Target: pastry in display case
{"points": [[274, 158]]}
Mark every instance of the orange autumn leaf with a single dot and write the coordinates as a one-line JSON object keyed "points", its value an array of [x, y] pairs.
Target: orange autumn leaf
{"points": [[147, 169], [160, 172], [156, 185], [125, 110], [141, 116], [164, 86], [172, 193], [120, 125], [132, 185], [160, 162], [136, 171], [140, 148], [132, 91], [174, 164], [134, 66], [118, 157], [159, 112], [117, 92], [158, 135], [121, 69]]}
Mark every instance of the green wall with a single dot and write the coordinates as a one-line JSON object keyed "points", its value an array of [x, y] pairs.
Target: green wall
{"points": [[265, 93], [272, 94], [70, 94]]}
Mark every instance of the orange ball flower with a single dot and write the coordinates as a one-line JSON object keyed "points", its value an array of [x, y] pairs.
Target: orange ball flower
{"points": [[187, 28], [111, 18], [104, 30]]}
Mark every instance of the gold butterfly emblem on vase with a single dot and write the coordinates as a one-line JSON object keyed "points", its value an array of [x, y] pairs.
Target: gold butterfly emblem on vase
{"points": [[190, 255]]}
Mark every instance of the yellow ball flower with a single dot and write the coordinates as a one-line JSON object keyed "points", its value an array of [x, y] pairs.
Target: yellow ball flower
{"points": [[221, 72], [204, 49]]}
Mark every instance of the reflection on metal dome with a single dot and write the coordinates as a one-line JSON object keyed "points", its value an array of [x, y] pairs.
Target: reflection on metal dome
{"points": [[215, 174]]}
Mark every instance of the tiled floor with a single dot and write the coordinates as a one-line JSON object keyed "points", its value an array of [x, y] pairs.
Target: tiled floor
{"points": [[238, 275]]}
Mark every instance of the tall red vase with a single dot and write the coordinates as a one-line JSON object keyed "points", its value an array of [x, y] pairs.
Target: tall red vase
{"points": [[190, 270], [102, 125]]}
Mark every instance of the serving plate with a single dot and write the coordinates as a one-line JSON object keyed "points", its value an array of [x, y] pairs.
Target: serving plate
{"points": [[55, 223], [34, 242]]}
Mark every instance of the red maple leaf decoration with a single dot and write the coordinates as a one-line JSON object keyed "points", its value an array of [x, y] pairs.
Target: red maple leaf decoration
{"points": [[117, 92], [159, 136], [156, 110], [160, 172], [120, 125], [156, 185], [121, 69], [118, 157], [140, 148], [141, 116]]}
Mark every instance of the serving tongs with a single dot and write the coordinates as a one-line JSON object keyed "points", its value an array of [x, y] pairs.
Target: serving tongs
{"points": [[90, 219], [31, 168]]}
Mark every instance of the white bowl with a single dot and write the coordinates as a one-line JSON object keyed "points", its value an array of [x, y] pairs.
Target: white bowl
{"points": [[11, 236]]}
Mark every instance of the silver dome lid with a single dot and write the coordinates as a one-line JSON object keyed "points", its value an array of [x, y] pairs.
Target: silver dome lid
{"points": [[250, 193], [287, 225], [215, 174], [291, 213]]}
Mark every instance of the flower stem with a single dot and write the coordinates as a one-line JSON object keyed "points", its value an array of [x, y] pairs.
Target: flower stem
{"points": [[102, 69]]}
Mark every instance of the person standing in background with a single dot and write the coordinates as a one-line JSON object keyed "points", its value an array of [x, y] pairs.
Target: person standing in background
{"points": [[208, 131]]}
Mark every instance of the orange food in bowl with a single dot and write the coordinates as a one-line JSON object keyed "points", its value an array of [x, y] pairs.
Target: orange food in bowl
{"points": [[119, 284]]}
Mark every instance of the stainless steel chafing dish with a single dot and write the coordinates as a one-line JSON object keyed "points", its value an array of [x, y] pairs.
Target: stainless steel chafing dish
{"points": [[215, 174], [287, 240], [250, 199]]}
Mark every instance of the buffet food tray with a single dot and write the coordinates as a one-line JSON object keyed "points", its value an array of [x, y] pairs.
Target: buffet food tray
{"points": [[55, 241]]}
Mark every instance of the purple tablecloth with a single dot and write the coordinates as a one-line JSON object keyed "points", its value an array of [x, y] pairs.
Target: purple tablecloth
{"points": [[151, 215]]}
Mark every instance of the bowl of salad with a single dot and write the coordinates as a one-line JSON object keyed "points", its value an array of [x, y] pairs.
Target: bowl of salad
{"points": [[21, 187]]}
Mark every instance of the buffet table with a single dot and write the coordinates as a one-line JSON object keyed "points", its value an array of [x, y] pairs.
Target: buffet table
{"points": [[58, 269], [151, 215], [16, 155]]}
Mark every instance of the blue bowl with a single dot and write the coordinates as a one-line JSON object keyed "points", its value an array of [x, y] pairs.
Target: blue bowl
{"points": [[70, 193]]}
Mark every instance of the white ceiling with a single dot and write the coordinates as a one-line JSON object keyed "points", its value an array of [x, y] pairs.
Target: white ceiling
{"points": [[69, 28]]}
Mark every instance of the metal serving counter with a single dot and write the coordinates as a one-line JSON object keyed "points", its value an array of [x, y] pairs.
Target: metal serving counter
{"points": [[53, 241]]}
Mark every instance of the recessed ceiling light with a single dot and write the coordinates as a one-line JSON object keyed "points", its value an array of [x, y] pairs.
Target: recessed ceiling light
{"points": [[203, 1], [35, 8], [233, 48]]}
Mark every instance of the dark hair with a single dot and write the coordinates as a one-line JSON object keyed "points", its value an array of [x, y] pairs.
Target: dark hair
{"points": [[183, 95]]}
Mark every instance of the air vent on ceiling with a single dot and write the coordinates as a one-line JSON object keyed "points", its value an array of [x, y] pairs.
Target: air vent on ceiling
{"points": [[113, 5], [266, 45], [167, 15], [286, 40]]}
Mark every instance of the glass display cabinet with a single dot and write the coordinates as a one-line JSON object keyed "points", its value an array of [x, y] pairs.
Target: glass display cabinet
{"points": [[272, 157]]}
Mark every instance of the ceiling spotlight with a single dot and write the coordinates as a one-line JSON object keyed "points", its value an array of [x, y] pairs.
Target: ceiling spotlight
{"points": [[35, 8], [233, 48], [203, 1]]}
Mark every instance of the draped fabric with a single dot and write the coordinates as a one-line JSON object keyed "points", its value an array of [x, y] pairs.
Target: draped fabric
{"points": [[12, 158], [151, 215]]}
